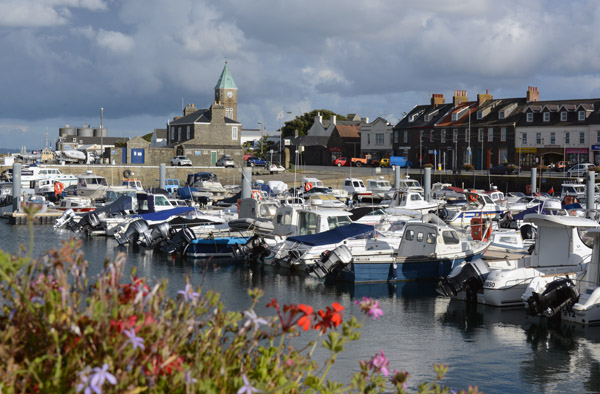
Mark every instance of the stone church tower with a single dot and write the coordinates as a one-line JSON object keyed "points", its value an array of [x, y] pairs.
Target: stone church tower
{"points": [[226, 93]]}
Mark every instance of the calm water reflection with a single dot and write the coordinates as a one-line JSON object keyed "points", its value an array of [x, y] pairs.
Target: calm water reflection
{"points": [[500, 351]]}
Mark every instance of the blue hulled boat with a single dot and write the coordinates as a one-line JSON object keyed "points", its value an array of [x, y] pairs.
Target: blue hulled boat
{"points": [[213, 247]]}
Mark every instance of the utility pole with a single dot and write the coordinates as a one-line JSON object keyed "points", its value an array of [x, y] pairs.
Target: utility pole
{"points": [[101, 135]]}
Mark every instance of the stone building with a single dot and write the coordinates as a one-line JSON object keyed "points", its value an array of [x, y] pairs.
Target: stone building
{"points": [[204, 135]]}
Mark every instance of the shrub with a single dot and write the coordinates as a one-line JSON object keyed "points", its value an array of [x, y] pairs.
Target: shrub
{"points": [[467, 167], [428, 165], [62, 332]]}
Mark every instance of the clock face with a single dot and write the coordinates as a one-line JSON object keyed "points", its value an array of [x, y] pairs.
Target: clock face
{"points": [[230, 94]]}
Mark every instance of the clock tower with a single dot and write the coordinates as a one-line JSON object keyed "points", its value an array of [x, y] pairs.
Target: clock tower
{"points": [[226, 93]]}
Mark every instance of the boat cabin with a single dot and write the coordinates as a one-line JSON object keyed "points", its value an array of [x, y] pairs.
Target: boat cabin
{"points": [[410, 185], [428, 239], [148, 202], [291, 220], [201, 177], [132, 183], [378, 185]]}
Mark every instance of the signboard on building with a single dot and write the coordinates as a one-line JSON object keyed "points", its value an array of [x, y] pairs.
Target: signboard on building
{"points": [[577, 150], [526, 150], [335, 149], [596, 148], [287, 142]]}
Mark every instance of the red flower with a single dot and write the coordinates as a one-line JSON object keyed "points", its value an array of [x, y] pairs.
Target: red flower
{"points": [[331, 317], [306, 318], [273, 304]]}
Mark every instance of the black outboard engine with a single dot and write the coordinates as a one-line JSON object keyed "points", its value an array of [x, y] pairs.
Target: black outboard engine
{"points": [[66, 220], [88, 223], [178, 242], [331, 261], [151, 238], [132, 234], [253, 251], [470, 279], [558, 294]]}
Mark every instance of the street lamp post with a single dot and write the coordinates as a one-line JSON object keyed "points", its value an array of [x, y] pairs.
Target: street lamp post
{"points": [[261, 136], [101, 135]]}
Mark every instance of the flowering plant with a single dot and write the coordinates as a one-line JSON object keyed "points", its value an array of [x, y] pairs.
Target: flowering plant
{"points": [[60, 331]]}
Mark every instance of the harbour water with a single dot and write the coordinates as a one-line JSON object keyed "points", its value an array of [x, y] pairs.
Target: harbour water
{"points": [[500, 351]]}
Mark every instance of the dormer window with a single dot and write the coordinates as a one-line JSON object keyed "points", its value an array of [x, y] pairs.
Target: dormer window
{"points": [[563, 116], [427, 118], [455, 116], [546, 116], [501, 115], [530, 116], [581, 115], [479, 115]]}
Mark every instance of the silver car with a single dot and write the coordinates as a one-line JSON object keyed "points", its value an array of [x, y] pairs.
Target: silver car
{"points": [[226, 161]]}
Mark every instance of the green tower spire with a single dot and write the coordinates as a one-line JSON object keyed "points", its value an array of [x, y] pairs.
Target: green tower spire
{"points": [[226, 80]]}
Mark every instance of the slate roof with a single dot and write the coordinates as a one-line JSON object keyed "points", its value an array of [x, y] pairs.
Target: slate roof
{"points": [[200, 116], [310, 140]]}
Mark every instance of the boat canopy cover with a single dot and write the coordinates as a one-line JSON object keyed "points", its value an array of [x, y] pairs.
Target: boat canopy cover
{"points": [[164, 215], [120, 206], [335, 235], [185, 193]]}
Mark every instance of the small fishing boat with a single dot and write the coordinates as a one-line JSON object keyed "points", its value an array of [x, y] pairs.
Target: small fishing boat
{"points": [[213, 247]]}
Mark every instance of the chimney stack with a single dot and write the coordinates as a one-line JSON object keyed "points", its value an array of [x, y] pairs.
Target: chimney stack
{"points": [[460, 96], [532, 94], [189, 109], [437, 99], [482, 98]]}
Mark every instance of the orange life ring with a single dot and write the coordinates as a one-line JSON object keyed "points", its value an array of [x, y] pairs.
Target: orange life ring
{"points": [[256, 195], [308, 186], [58, 188], [472, 198]]}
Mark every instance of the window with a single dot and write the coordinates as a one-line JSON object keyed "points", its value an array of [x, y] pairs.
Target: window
{"points": [[479, 115], [530, 116], [490, 134], [546, 116], [229, 113], [410, 235], [598, 137], [538, 138], [405, 137], [467, 135], [455, 135], [420, 135], [581, 115], [188, 133], [581, 137], [501, 115], [379, 139], [430, 135], [172, 132], [480, 135], [396, 136], [553, 138], [179, 134], [368, 138], [563, 116], [524, 139], [567, 137], [443, 138], [503, 134], [430, 238], [455, 116], [234, 133], [450, 237], [420, 237]]}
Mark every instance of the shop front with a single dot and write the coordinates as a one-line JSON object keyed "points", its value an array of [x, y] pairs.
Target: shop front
{"points": [[578, 155], [596, 153], [527, 157]]}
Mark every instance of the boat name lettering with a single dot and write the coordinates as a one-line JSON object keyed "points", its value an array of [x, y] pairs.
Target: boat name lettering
{"points": [[489, 284]]}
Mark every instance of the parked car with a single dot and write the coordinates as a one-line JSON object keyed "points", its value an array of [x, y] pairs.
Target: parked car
{"points": [[171, 185], [276, 168], [579, 169], [226, 161], [181, 161], [504, 169], [341, 162], [385, 162], [255, 161], [400, 161], [561, 166]]}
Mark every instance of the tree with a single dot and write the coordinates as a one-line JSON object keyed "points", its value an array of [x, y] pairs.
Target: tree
{"points": [[304, 122]]}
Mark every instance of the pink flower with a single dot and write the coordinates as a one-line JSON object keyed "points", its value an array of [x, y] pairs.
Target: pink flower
{"points": [[380, 363], [370, 307]]}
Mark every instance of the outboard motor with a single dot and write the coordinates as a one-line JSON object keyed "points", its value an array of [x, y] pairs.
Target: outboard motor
{"points": [[132, 234], [556, 295], [254, 250], [88, 222], [67, 217], [150, 238], [178, 242], [470, 279], [331, 261]]}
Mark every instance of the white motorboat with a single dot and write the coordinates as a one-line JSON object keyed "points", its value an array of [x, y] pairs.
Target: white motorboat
{"points": [[575, 300], [414, 201], [479, 205], [208, 184], [91, 186], [559, 250]]}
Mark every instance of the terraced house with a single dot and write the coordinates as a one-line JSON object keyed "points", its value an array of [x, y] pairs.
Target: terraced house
{"points": [[489, 131]]}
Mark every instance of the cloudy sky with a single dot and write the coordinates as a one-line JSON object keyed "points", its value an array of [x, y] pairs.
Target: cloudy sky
{"points": [[62, 60]]}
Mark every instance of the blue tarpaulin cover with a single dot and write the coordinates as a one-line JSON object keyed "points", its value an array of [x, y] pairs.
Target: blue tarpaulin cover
{"points": [[333, 236], [164, 215]]}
